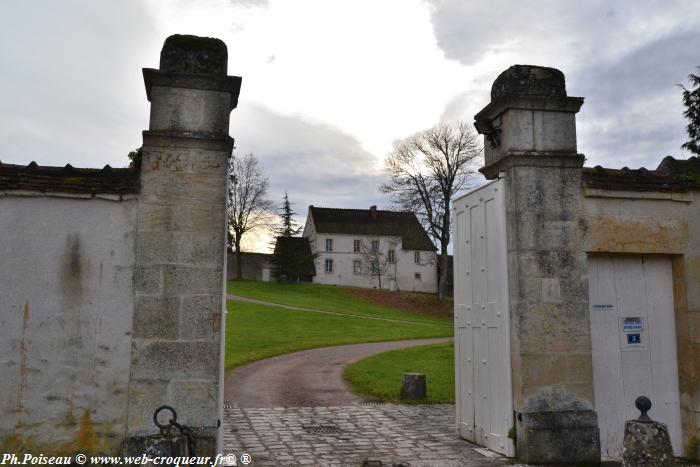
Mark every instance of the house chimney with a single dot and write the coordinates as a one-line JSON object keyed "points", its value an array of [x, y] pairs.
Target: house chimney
{"points": [[373, 212]]}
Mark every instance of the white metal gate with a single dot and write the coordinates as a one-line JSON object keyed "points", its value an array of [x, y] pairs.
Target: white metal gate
{"points": [[482, 334], [633, 335]]}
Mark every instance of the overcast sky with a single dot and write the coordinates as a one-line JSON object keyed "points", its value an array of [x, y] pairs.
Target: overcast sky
{"points": [[329, 85]]}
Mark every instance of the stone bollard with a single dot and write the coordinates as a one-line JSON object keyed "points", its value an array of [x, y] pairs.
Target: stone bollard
{"points": [[646, 442], [414, 386]]}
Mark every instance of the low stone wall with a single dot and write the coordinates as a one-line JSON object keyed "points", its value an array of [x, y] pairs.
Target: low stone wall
{"points": [[112, 280]]}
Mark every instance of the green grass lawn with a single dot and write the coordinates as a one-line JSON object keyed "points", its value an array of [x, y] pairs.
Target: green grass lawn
{"points": [[328, 298], [254, 332], [380, 376]]}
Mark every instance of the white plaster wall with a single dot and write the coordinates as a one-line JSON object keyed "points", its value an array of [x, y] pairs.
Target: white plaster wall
{"points": [[66, 307], [309, 228], [427, 268], [343, 257]]}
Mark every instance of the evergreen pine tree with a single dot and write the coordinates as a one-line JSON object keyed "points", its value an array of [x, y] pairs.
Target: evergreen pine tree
{"points": [[292, 259], [288, 228], [691, 101]]}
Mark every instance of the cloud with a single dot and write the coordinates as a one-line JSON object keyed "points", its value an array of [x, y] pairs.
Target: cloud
{"points": [[250, 3], [624, 59], [315, 162], [327, 86], [72, 86], [633, 111], [371, 68]]}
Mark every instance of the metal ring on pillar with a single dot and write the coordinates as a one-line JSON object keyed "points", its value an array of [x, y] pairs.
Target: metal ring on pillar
{"points": [[172, 421]]}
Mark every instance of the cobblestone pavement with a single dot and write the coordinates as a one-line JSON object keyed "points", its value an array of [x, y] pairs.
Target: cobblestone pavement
{"points": [[411, 435]]}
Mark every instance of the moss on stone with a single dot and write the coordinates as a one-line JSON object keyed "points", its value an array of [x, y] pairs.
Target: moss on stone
{"points": [[692, 451], [692, 179], [529, 80], [190, 42], [87, 438], [193, 54]]}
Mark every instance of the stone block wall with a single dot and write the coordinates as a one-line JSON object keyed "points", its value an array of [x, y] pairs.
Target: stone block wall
{"points": [[111, 294], [547, 276], [557, 214]]}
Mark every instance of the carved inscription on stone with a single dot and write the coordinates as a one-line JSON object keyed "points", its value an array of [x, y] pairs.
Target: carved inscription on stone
{"points": [[182, 161]]}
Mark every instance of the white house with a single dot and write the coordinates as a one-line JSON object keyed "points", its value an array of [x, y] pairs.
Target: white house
{"points": [[371, 248]]}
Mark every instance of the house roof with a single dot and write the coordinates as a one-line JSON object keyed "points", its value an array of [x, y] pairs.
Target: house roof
{"points": [[373, 222], [671, 175], [68, 179]]}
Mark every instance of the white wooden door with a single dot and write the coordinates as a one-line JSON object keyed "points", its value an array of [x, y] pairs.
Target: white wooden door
{"points": [[633, 336], [482, 335]]}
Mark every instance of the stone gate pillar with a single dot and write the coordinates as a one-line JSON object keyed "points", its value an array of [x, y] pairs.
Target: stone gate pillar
{"points": [[530, 140], [180, 251]]}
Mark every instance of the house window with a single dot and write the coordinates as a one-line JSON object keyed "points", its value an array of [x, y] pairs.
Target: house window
{"points": [[375, 246], [329, 265], [329, 244], [356, 246], [391, 256], [416, 257], [417, 276], [375, 267], [357, 266]]}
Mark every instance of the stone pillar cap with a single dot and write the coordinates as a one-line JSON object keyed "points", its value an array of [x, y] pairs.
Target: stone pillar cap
{"points": [[529, 80], [193, 62], [529, 87], [184, 53]]}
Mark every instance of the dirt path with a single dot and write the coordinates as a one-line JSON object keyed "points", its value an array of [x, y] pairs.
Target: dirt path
{"points": [[311, 378], [238, 298]]}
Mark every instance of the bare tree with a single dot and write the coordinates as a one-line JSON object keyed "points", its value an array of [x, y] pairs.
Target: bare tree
{"points": [[425, 171], [247, 207], [377, 261]]}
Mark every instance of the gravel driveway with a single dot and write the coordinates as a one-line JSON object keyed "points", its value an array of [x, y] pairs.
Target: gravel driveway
{"points": [[311, 378]]}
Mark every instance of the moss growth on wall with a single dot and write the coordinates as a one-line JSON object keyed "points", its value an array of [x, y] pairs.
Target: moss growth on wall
{"points": [[692, 451], [190, 42], [691, 179], [194, 55], [88, 438]]}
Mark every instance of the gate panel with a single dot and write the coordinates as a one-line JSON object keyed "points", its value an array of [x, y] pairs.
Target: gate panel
{"points": [[633, 338], [463, 346], [482, 352]]}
